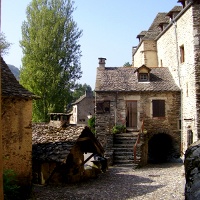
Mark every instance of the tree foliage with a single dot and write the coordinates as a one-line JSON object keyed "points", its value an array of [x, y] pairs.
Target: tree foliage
{"points": [[4, 44], [127, 64], [80, 90], [51, 54]]}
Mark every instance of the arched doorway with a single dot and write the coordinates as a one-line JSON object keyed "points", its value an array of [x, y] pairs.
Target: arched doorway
{"points": [[160, 148]]}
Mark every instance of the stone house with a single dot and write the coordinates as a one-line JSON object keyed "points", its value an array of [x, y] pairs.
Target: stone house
{"points": [[128, 95], [16, 126], [60, 154], [173, 41], [82, 108]]}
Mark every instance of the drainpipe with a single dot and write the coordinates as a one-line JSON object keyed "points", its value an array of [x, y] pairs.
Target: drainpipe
{"points": [[179, 79]]}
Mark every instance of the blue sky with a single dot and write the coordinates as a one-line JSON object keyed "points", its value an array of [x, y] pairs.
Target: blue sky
{"points": [[109, 29]]}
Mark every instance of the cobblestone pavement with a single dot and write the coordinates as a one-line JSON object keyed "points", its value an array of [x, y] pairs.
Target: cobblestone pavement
{"points": [[153, 182]]}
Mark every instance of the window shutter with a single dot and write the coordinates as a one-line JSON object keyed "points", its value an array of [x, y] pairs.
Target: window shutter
{"points": [[158, 108]]}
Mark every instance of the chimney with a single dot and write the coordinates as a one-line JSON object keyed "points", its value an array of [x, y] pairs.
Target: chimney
{"points": [[102, 62]]}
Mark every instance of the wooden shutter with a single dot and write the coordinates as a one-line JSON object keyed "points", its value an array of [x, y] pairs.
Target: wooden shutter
{"points": [[158, 108]]}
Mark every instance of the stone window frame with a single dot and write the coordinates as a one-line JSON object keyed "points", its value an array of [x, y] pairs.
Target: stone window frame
{"points": [[151, 108], [103, 107]]}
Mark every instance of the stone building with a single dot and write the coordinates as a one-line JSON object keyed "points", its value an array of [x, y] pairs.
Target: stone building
{"points": [[16, 126], [82, 109], [172, 45], [173, 41], [129, 95]]}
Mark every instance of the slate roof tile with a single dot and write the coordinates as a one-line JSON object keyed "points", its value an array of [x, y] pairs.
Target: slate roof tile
{"points": [[124, 79], [10, 85]]}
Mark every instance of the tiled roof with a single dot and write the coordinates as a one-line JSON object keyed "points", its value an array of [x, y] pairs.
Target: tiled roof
{"points": [[142, 33], [88, 95], [124, 79], [10, 85], [175, 9], [54, 144], [154, 29]]}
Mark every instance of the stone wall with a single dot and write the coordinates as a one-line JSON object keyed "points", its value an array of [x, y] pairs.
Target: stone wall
{"points": [[196, 32], [17, 137], [192, 172], [181, 33], [117, 115], [84, 108], [146, 54]]}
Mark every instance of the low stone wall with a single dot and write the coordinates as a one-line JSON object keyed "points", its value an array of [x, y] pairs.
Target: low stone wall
{"points": [[192, 172]]}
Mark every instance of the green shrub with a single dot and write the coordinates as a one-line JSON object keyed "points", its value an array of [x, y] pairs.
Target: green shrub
{"points": [[91, 124], [10, 187], [119, 129]]}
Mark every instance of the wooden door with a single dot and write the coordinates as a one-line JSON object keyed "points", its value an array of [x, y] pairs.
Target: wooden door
{"points": [[131, 114]]}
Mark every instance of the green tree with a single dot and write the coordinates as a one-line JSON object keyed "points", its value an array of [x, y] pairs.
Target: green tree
{"points": [[4, 45], [127, 64], [51, 55], [80, 90]]}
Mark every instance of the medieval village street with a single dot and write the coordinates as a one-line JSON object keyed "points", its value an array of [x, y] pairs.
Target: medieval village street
{"points": [[153, 182]]}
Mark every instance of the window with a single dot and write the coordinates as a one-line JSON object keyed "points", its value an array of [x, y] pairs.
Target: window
{"points": [[103, 107], [143, 77], [158, 108], [182, 54]]}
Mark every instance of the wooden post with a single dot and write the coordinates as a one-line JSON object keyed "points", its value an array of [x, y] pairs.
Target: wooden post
{"points": [[1, 153]]}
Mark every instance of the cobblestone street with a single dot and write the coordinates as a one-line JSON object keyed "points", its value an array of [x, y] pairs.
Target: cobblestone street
{"points": [[153, 182]]}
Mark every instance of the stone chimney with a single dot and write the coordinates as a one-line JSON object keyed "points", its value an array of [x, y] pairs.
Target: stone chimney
{"points": [[102, 62]]}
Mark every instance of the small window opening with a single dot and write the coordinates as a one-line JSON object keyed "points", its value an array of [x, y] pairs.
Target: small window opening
{"points": [[182, 54], [103, 107], [189, 137], [143, 77]]}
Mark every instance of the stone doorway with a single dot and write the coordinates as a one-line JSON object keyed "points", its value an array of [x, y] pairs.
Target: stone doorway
{"points": [[160, 148]]}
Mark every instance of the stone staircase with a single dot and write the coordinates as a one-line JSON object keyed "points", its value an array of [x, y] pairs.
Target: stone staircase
{"points": [[123, 149]]}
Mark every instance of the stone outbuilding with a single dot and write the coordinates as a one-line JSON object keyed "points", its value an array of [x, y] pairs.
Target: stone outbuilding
{"points": [[129, 95], [16, 126], [62, 155]]}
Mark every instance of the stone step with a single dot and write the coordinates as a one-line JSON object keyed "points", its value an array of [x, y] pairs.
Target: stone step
{"points": [[126, 135], [118, 162], [129, 143], [128, 165], [127, 157], [123, 145], [126, 153]]}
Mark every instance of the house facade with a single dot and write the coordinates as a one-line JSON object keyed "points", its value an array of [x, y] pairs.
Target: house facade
{"points": [[82, 108], [16, 126], [129, 96], [176, 45]]}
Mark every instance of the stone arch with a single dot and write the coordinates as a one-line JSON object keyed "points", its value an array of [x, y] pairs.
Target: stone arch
{"points": [[160, 148]]}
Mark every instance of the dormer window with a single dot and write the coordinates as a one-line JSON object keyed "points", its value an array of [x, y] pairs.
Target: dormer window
{"points": [[174, 12], [143, 74], [143, 77]]}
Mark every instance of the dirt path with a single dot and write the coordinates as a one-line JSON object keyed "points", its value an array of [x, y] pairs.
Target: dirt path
{"points": [[154, 182]]}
